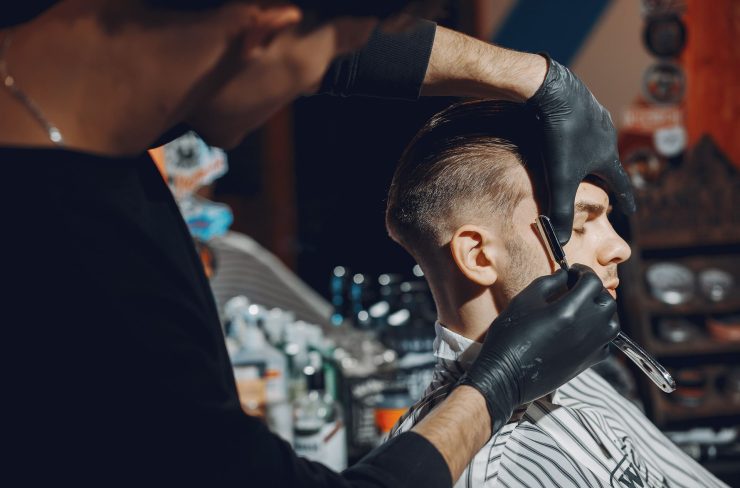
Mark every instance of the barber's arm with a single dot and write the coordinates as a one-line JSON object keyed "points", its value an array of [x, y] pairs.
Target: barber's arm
{"points": [[578, 137], [204, 433]]}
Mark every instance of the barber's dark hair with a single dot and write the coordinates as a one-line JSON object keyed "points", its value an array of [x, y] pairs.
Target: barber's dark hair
{"points": [[24, 11], [318, 11], [459, 166], [323, 10]]}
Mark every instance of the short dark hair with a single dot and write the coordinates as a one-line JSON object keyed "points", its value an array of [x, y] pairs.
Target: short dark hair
{"points": [[324, 10], [459, 165], [319, 10]]}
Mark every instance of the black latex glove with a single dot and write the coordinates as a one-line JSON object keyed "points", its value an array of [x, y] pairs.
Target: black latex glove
{"points": [[579, 139], [547, 335]]}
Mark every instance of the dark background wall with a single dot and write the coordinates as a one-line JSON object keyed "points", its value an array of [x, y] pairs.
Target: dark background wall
{"points": [[311, 186], [346, 152]]}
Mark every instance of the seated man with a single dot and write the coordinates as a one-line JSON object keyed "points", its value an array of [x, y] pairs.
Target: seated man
{"points": [[462, 203]]}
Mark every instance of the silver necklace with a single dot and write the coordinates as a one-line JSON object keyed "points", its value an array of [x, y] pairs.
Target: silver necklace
{"points": [[9, 82]]}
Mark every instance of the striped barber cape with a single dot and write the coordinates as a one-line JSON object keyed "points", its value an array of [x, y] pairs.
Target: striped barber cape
{"points": [[583, 435]]}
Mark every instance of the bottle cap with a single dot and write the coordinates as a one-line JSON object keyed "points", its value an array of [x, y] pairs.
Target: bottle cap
{"points": [[234, 305], [314, 372]]}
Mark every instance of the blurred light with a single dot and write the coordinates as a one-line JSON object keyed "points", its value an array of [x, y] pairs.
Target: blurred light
{"points": [[233, 305], [254, 309], [348, 362], [389, 356], [339, 271], [363, 316], [384, 279], [358, 279], [417, 271], [379, 309], [399, 318], [405, 286]]}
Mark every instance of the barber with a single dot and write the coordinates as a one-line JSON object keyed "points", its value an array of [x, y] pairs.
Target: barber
{"points": [[122, 375]]}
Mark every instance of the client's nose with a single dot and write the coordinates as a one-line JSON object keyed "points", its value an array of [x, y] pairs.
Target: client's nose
{"points": [[614, 250]]}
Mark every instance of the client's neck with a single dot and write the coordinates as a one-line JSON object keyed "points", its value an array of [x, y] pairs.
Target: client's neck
{"points": [[465, 308]]}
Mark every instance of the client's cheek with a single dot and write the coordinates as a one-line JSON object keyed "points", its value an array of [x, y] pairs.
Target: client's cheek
{"points": [[538, 261], [572, 254]]}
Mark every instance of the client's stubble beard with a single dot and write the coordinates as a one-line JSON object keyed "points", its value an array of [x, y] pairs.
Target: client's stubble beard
{"points": [[521, 269]]}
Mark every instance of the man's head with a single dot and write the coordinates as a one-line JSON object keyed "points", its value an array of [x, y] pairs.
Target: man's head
{"points": [[220, 66], [283, 51], [463, 203]]}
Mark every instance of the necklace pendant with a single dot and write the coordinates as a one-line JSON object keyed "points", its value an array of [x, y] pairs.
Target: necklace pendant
{"points": [[55, 135], [9, 82]]}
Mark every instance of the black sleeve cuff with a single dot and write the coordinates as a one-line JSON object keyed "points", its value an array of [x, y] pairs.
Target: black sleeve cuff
{"points": [[409, 460], [389, 66]]}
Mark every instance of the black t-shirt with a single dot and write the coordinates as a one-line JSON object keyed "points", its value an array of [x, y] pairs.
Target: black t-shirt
{"points": [[116, 368]]}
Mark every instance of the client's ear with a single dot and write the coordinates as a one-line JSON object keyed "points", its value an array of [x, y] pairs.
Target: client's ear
{"points": [[474, 249], [262, 23]]}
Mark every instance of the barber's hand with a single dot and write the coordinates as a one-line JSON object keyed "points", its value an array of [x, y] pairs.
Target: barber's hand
{"points": [[579, 139], [548, 335]]}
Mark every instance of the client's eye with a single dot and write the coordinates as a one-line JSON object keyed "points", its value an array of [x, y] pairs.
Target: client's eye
{"points": [[579, 231]]}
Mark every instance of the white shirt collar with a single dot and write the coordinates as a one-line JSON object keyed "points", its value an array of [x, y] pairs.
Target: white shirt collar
{"points": [[452, 346]]}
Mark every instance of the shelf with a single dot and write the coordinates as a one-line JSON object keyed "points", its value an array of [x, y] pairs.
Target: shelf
{"points": [[699, 346], [713, 406], [702, 250], [686, 239], [695, 306], [698, 303], [689, 218]]}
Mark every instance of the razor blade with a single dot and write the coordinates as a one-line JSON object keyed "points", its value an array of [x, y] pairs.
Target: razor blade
{"points": [[652, 368]]}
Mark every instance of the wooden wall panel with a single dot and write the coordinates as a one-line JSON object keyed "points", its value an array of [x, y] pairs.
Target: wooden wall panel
{"points": [[712, 62]]}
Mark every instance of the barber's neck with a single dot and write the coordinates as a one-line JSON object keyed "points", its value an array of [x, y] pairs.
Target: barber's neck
{"points": [[108, 89]]}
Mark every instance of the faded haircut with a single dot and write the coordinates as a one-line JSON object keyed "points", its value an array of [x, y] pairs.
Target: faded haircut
{"points": [[458, 169]]}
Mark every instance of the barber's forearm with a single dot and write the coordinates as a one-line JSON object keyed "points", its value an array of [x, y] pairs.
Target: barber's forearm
{"points": [[463, 66], [458, 428]]}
